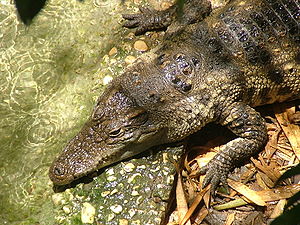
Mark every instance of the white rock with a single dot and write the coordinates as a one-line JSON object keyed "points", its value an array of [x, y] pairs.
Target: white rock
{"points": [[88, 213]]}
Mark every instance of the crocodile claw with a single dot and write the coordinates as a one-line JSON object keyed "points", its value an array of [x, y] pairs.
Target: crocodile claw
{"points": [[215, 174], [147, 19]]}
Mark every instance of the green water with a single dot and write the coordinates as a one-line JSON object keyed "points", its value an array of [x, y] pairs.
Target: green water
{"points": [[50, 75]]}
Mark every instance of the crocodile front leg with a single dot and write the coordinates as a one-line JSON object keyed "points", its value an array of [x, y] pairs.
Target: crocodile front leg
{"points": [[251, 132], [151, 19]]}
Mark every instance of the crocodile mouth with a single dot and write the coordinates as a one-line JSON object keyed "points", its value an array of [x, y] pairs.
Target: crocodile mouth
{"points": [[60, 174], [70, 167]]}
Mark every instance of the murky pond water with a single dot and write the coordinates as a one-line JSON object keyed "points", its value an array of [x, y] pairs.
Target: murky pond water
{"points": [[50, 75]]}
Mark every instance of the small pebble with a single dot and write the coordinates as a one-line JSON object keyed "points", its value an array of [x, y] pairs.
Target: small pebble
{"points": [[132, 212], [58, 198], [114, 191], [110, 171], [123, 222], [66, 209], [134, 193], [87, 213], [140, 45], [129, 59], [132, 178], [107, 79], [129, 167], [110, 217], [105, 193], [136, 222], [165, 5], [113, 51], [116, 208], [111, 178]]}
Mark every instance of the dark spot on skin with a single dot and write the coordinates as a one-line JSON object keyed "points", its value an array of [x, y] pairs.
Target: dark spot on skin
{"points": [[160, 59], [265, 91], [253, 30], [292, 70], [259, 20], [179, 57], [175, 79], [275, 75], [186, 86], [284, 91], [195, 62], [155, 97], [243, 36], [215, 45], [251, 91], [186, 68], [226, 37], [297, 57], [180, 84], [259, 56]]}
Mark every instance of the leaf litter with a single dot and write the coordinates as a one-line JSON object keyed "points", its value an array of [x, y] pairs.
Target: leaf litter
{"points": [[254, 196]]}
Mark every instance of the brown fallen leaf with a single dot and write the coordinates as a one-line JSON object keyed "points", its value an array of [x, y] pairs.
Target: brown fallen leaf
{"points": [[247, 192], [278, 208], [271, 172], [201, 215], [230, 219], [275, 194], [182, 206], [269, 195], [194, 205], [291, 131]]}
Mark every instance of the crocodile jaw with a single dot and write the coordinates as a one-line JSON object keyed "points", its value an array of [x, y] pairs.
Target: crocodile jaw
{"points": [[81, 158]]}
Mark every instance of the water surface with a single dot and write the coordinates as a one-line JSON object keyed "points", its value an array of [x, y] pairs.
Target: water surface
{"points": [[50, 75]]}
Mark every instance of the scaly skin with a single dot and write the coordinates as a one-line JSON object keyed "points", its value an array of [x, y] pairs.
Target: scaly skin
{"points": [[215, 70]]}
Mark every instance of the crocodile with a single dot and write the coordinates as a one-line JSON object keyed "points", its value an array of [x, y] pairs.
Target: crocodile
{"points": [[213, 66]]}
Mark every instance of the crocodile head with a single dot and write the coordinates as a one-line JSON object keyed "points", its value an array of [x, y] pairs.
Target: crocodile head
{"points": [[117, 129], [151, 103]]}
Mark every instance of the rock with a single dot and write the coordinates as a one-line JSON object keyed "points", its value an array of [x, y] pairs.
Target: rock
{"points": [[140, 45], [123, 222], [87, 213], [129, 59], [116, 208], [113, 51], [107, 79], [58, 199]]}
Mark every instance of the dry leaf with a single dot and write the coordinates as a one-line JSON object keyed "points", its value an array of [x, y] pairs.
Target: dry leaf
{"points": [[291, 131], [247, 192], [278, 208], [194, 205], [230, 219], [182, 206]]}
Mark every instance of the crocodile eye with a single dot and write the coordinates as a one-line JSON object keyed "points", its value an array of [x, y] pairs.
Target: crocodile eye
{"points": [[116, 133]]}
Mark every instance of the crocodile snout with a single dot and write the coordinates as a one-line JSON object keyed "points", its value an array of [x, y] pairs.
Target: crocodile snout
{"points": [[59, 175]]}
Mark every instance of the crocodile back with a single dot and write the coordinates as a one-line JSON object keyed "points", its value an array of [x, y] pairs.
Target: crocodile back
{"points": [[262, 39]]}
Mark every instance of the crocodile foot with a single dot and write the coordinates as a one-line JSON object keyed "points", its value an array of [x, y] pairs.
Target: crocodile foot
{"points": [[215, 173], [148, 19]]}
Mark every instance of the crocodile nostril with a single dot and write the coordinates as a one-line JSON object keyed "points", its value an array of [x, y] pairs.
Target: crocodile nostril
{"points": [[59, 171]]}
